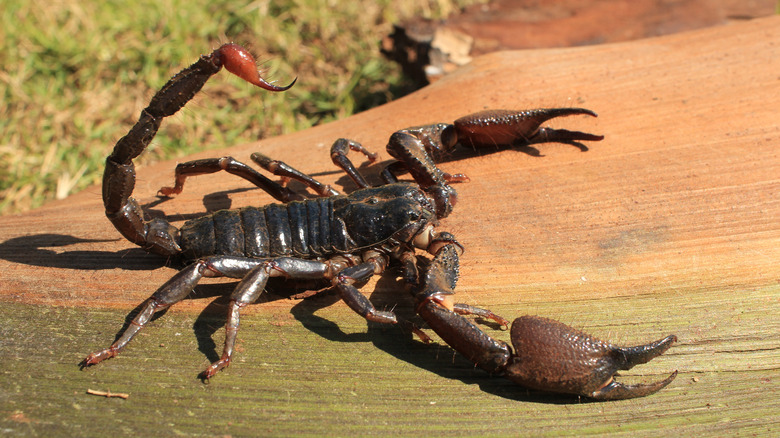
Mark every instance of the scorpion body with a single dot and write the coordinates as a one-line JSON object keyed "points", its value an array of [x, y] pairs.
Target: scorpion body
{"points": [[347, 238], [311, 228]]}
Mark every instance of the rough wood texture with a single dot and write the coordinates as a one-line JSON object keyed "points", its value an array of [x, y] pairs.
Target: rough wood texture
{"points": [[670, 225]]}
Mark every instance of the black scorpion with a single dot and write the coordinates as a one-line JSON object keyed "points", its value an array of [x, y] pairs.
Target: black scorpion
{"points": [[346, 239]]}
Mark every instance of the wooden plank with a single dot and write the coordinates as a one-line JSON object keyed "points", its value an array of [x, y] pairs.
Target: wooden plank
{"points": [[670, 225]]}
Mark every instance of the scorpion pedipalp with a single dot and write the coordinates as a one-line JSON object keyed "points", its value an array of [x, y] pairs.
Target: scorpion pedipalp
{"points": [[548, 355], [418, 148]]}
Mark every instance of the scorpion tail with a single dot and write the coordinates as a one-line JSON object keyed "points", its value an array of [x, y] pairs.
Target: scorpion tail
{"points": [[122, 210]]}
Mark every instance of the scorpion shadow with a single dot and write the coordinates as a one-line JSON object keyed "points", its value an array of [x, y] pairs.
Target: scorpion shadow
{"points": [[44, 250], [48, 249]]}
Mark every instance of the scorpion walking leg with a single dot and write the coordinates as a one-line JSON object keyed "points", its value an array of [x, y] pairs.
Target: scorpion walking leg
{"points": [[465, 309], [232, 166], [173, 291], [255, 280], [338, 153], [280, 168], [356, 301], [249, 289], [254, 274]]}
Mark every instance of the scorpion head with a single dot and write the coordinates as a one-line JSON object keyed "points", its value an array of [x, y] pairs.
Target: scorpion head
{"points": [[398, 211]]}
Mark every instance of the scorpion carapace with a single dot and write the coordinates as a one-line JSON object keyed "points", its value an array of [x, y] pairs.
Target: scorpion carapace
{"points": [[347, 238]]}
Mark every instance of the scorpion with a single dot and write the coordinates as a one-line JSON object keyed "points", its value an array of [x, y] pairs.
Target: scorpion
{"points": [[345, 239]]}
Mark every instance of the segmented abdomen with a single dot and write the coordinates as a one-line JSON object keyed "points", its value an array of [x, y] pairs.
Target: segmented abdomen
{"points": [[305, 229]]}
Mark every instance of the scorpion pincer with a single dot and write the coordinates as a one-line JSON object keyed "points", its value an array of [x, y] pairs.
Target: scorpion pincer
{"points": [[347, 238]]}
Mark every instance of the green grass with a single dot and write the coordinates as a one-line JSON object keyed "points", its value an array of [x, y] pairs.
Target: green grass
{"points": [[76, 73]]}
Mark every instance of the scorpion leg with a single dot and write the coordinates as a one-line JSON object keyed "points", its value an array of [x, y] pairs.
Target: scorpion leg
{"points": [[347, 277], [173, 291], [280, 168], [249, 289], [465, 309], [254, 274], [232, 166], [391, 171], [338, 153], [253, 283]]}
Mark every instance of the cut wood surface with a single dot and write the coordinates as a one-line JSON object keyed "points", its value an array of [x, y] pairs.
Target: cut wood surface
{"points": [[669, 225]]}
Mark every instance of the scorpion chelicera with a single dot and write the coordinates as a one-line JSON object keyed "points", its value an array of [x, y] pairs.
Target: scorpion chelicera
{"points": [[346, 239]]}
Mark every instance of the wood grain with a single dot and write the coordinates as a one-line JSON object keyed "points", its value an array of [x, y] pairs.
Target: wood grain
{"points": [[669, 225]]}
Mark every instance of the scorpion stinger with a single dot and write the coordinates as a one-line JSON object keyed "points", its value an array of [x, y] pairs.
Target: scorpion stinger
{"points": [[346, 239]]}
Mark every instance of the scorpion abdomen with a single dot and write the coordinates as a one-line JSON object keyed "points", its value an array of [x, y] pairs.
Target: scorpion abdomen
{"points": [[304, 229]]}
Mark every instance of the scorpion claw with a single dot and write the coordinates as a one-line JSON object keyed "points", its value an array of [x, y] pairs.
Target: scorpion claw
{"points": [[493, 128], [552, 356], [618, 391]]}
